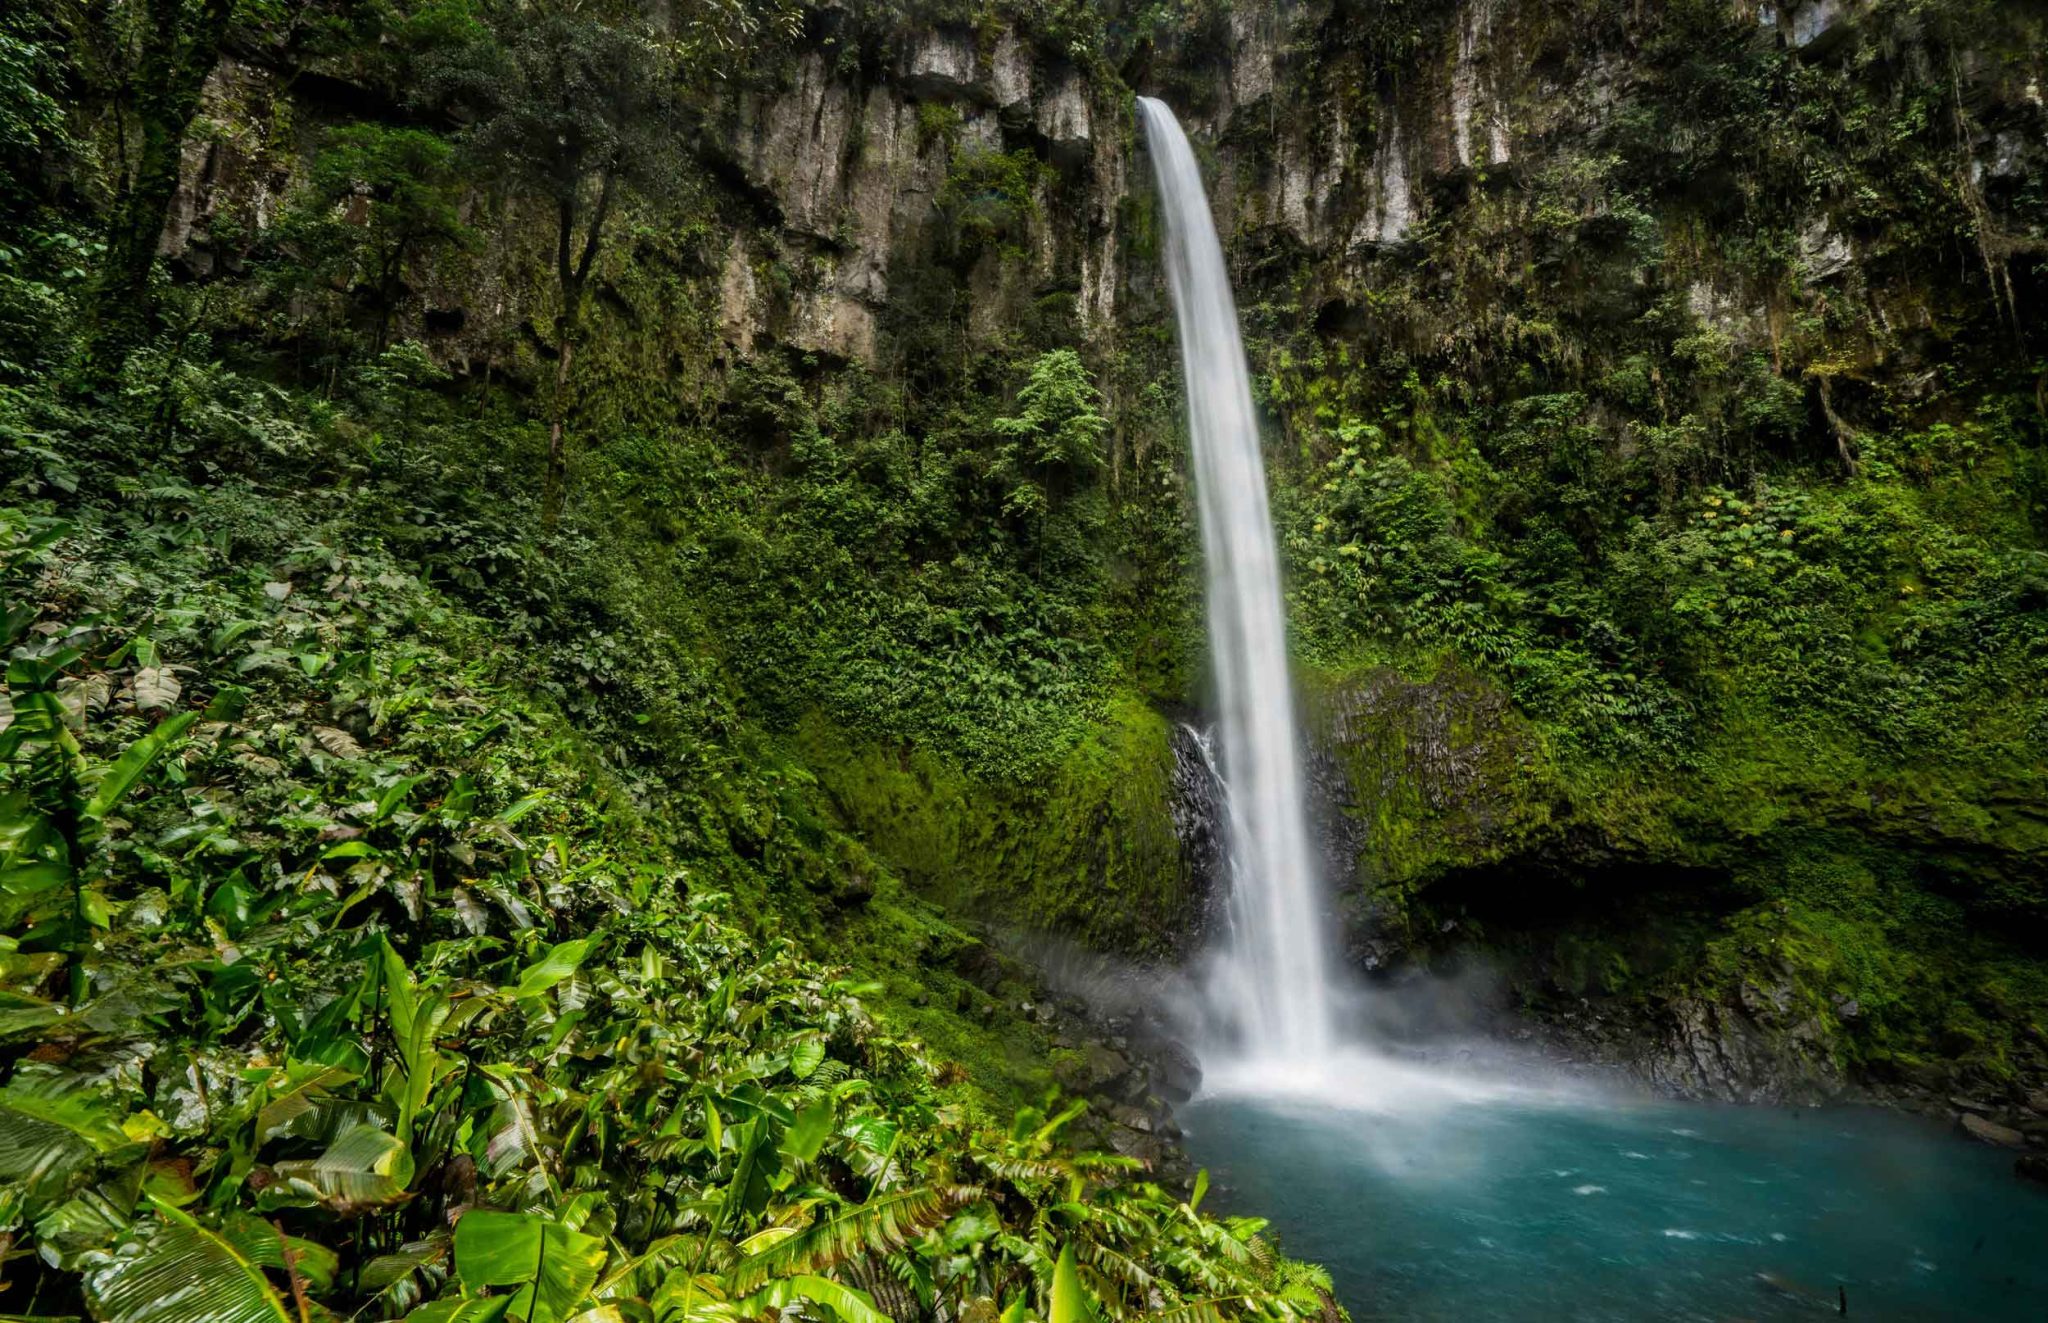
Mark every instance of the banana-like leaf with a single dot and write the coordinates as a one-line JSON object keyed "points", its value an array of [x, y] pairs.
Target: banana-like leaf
{"points": [[1070, 1302], [846, 1304], [364, 1168], [183, 1273], [295, 1101], [50, 1134], [553, 1266], [489, 1310], [398, 995], [129, 767], [808, 1133]]}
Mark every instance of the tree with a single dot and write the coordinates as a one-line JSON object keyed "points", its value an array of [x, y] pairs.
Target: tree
{"points": [[375, 200], [577, 106], [1056, 434], [31, 120], [160, 54]]}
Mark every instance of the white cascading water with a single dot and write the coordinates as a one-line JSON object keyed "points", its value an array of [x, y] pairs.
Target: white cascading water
{"points": [[1274, 975]]}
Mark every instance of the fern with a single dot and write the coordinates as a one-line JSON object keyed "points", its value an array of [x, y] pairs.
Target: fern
{"points": [[879, 1226]]}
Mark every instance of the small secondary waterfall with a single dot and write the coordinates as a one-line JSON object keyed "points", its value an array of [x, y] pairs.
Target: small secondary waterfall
{"points": [[1273, 976]]}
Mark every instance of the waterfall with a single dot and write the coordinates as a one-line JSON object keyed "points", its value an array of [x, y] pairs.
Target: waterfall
{"points": [[1272, 975]]}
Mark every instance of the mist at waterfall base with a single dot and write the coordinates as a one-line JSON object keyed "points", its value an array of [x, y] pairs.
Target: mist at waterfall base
{"points": [[1442, 1175]]}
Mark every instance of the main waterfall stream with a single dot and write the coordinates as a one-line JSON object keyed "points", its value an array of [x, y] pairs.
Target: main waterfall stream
{"points": [[1502, 1193], [1273, 977]]}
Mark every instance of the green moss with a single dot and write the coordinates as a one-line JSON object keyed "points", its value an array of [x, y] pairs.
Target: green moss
{"points": [[1087, 850]]}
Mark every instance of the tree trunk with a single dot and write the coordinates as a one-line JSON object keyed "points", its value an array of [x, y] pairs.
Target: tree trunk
{"points": [[558, 462], [574, 278], [181, 45]]}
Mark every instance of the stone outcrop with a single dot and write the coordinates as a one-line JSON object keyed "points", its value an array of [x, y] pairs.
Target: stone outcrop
{"points": [[1320, 147]]}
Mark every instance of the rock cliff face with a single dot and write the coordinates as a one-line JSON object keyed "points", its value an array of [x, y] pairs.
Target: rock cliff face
{"points": [[1340, 134], [1487, 194]]}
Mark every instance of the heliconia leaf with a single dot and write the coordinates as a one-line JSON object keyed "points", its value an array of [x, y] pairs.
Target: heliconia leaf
{"points": [[489, 1310], [129, 767], [50, 1133], [762, 1239], [554, 1266], [600, 1314], [258, 1241], [304, 1087], [21, 884], [182, 1273], [848, 1304], [394, 795], [156, 689], [1070, 1302], [364, 1168], [562, 960], [808, 1133], [400, 999]]}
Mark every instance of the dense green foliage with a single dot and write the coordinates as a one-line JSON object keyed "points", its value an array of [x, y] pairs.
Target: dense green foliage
{"points": [[514, 695], [325, 941], [1636, 438]]}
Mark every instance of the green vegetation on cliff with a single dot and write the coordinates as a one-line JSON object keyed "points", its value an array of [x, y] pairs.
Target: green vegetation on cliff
{"points": [[562, 557]]}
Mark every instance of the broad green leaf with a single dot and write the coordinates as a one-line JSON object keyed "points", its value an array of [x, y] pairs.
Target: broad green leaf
{"points": [[490, 1310], [848, 1304], [756, 1164], [806, 1056], [23, 884], [562, 960], [515, 812], [554, 1266], [51, 1134], [305, 1086], [812, 1127], [181, 1274], [395, 795], [364, 1168], [767, 1238], [20, 1013], [400, 1000], [1070, 1302], [258, 1241], [128, 769]]}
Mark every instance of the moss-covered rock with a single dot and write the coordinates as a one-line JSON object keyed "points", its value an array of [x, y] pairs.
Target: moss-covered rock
{"points": [[1089, 849]]}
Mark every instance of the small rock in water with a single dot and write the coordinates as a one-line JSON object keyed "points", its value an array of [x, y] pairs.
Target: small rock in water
{"points": [[1991, 1132]]}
